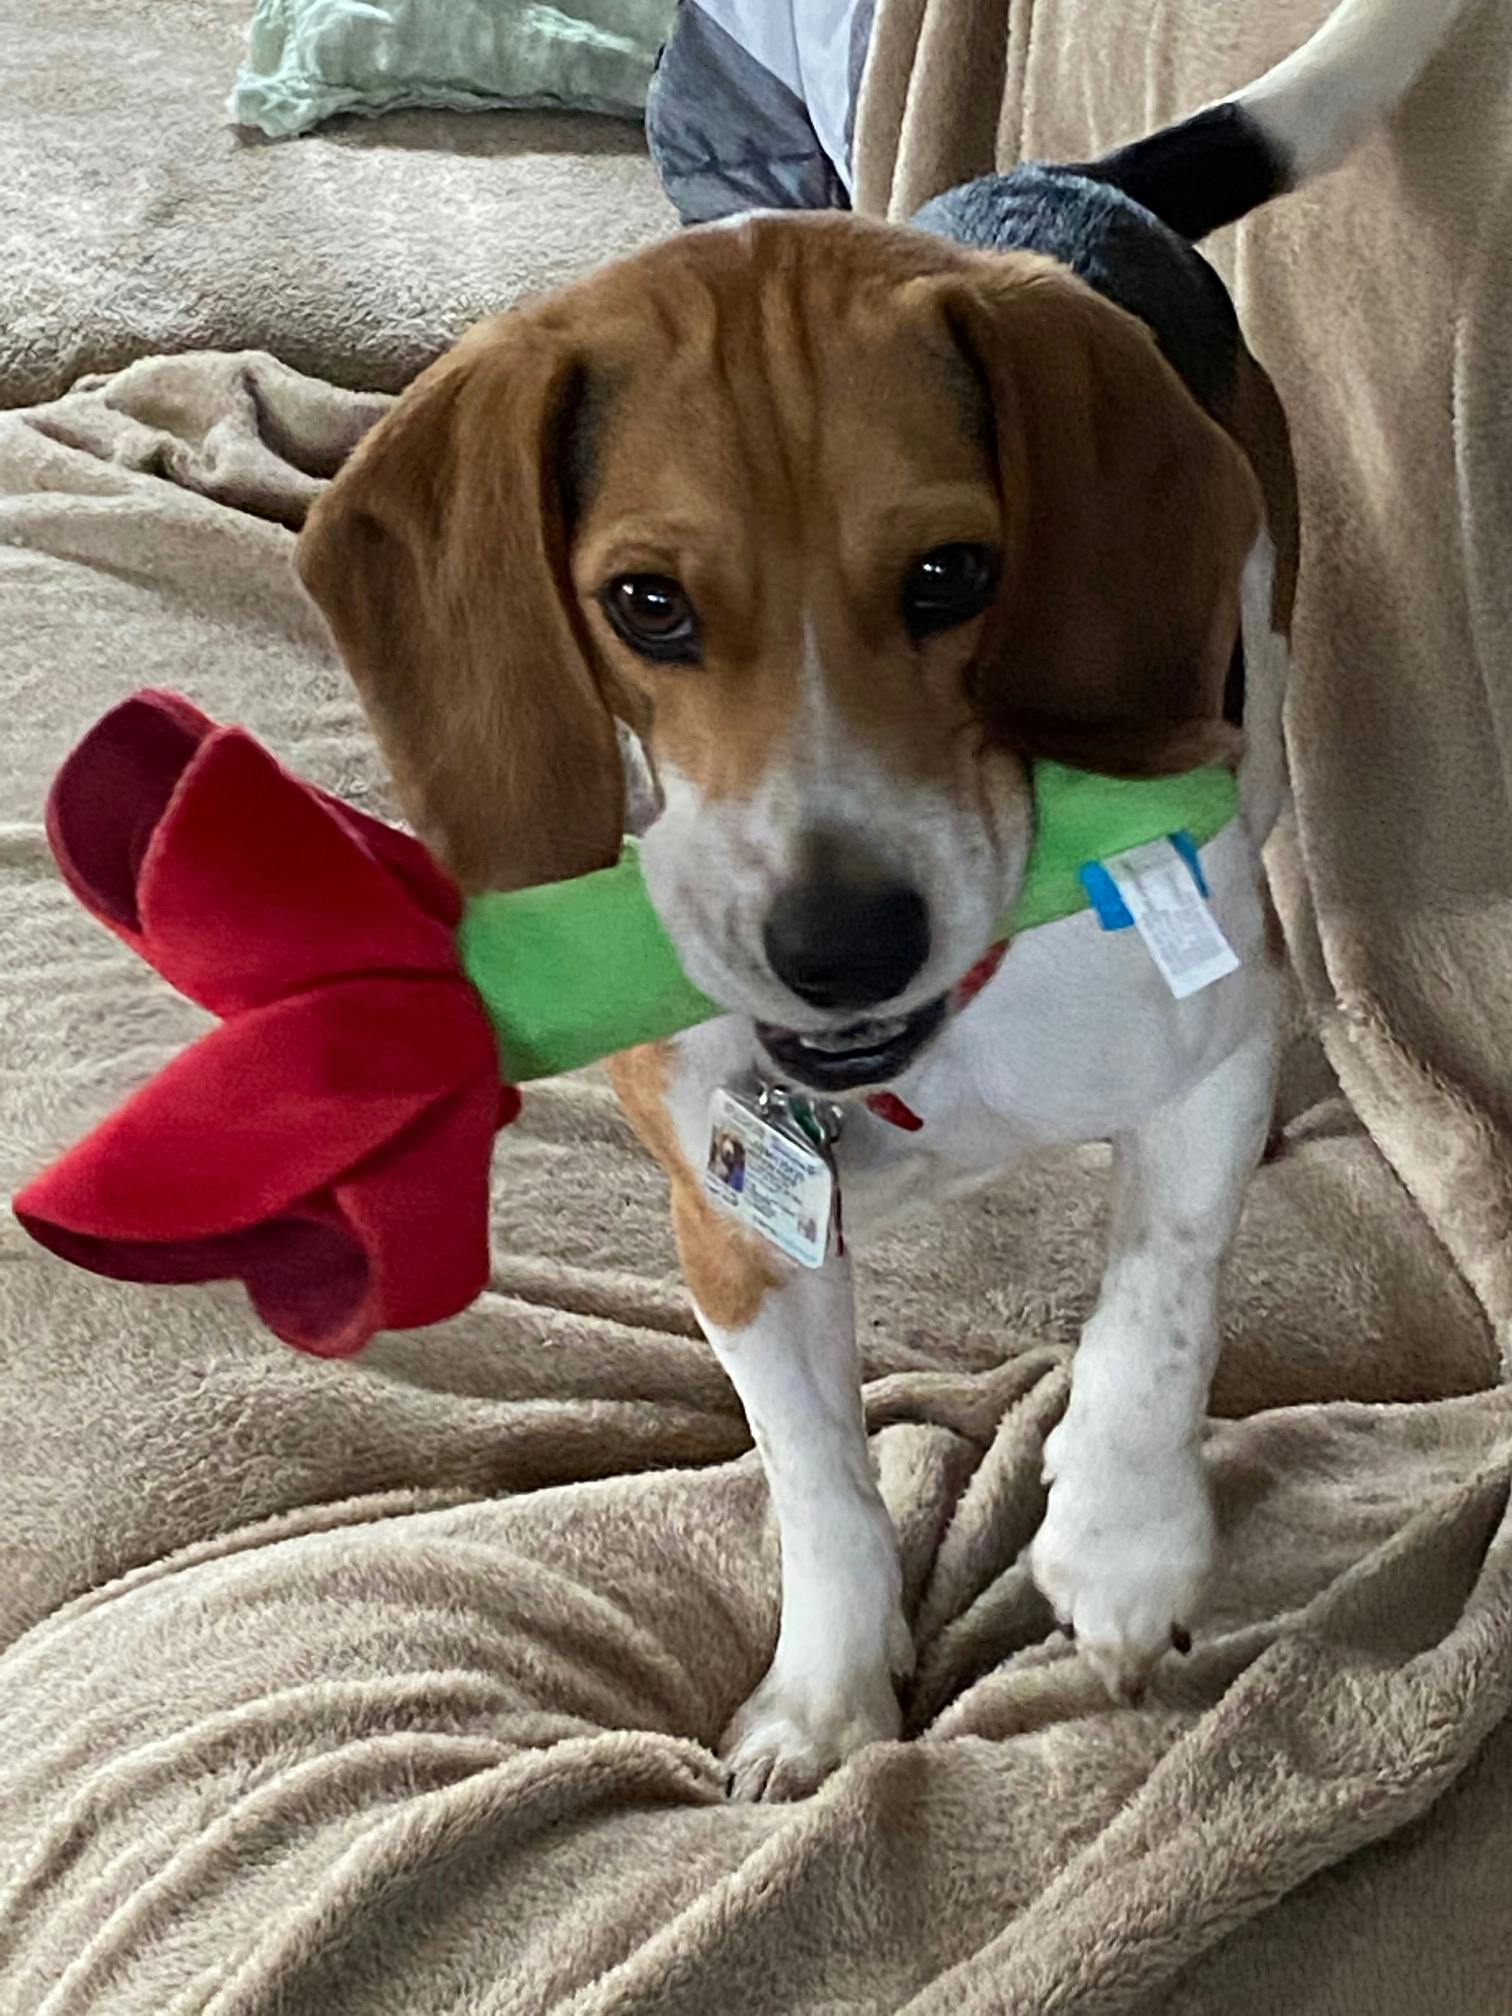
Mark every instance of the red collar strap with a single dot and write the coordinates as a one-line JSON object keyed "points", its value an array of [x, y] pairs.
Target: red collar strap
{"points": [[887, 1105]]}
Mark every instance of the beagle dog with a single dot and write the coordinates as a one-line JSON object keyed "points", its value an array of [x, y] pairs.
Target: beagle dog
{"points": [[851, 526]]}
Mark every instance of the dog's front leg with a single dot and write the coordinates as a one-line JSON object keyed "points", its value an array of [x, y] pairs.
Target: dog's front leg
{"points": [[1127, 1538], [842, 1638]]}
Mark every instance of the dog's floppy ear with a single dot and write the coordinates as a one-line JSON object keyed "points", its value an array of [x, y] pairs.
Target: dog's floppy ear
{"points": [[438, 557], [1128, 515]]}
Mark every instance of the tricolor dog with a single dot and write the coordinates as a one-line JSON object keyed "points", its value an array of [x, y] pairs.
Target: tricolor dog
{"points": [[877, 539]]}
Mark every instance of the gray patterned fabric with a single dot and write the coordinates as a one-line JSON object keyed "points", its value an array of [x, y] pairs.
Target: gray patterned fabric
{"points": [[753, 105]]}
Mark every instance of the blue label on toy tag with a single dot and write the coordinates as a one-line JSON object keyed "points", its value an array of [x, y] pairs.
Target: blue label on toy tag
{"points": [[1102, 891], [1112, 911], [1186, 847]]}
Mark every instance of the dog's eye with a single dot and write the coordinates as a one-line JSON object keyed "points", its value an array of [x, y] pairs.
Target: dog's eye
{"points": [[947, 586], [654, 616]]}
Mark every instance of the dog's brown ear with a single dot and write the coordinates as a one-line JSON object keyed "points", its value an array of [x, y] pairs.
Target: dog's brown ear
{"points": [[1128, 515], [438, 557]]}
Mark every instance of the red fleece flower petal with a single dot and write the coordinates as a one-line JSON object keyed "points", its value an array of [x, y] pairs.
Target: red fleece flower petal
{"points": [[107, 800], [329, 1143], [253, 889]]}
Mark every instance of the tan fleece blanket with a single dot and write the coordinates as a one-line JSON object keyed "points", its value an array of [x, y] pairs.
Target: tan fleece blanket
{"points": [[386, 1689], [389, 1687], [134, 218]]}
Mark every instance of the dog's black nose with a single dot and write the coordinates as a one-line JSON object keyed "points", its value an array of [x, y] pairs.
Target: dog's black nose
{"points": [[842, 937]]}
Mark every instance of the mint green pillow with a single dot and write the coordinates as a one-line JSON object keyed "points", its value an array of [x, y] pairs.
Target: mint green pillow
{"points": [[309, 59]]}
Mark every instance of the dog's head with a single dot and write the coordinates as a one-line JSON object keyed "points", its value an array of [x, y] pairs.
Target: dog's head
{"points": [[847, 524]]}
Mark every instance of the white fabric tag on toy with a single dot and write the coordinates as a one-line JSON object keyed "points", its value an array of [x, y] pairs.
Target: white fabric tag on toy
{"points": [[766, 1169], [1162, 889]]}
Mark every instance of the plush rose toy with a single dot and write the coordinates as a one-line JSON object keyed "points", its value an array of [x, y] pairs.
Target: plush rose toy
{"points": [[328, 1143]]}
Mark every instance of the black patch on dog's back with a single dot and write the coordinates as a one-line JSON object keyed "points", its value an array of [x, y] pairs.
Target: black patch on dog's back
{"points": [[1118, 247]]}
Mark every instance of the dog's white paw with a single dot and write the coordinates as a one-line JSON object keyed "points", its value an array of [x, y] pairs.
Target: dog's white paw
{"points": [[1123, 1553], [813, 1709], [788, 1737]]}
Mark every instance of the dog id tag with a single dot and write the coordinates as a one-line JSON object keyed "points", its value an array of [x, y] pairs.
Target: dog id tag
{"points": [[770, 1164]]}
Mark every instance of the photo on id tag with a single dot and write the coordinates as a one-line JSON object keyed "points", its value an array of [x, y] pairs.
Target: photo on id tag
{"points": [[770, 1177]]}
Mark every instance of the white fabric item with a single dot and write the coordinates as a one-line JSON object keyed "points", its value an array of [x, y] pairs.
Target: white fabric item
{"points": [[806, 45]]}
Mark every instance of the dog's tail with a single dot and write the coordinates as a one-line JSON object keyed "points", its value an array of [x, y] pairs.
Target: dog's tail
{"points": [[1297, 121]]}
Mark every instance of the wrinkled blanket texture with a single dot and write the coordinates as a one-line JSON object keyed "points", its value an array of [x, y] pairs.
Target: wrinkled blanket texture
{"points": [[389, 1688]]}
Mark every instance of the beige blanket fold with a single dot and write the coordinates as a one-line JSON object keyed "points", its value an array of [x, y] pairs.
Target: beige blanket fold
{"points": [[1377, 299], [388, 1688]]}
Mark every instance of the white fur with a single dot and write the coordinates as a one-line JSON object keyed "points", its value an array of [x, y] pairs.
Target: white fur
{"points": [[713, 869], [843, 1637], [1262, 780], [1127, 1538], [1320, 101], [1076, 1038]]}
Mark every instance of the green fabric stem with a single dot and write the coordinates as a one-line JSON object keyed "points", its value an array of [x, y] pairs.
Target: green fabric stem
{"points": [[573, 971]]}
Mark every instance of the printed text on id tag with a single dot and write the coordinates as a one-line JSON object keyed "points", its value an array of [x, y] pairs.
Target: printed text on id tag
{"points": [[770, 1177]]}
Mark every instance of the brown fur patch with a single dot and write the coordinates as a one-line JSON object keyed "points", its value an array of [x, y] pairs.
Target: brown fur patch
{"points": [[438, 557], [783, 417], [787, 461], [1129, 514], [727, 1270]]}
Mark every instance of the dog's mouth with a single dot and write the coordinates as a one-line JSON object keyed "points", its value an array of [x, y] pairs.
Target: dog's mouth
{"points": [[867, 1053]]}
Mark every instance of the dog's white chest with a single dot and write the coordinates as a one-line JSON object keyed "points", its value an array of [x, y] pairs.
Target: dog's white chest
{"points": [[1077, 1038]]}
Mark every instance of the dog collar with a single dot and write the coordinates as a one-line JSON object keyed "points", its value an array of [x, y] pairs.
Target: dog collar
{"points": [[572, 971]]}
